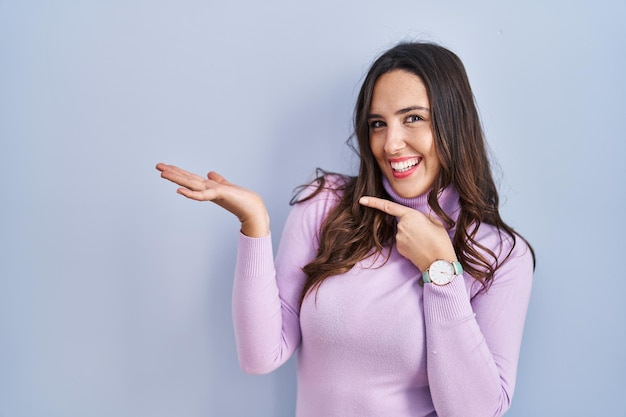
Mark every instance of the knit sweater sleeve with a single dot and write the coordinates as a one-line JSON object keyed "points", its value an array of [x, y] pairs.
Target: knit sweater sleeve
{"points": [[266, 291], [473, 344]]}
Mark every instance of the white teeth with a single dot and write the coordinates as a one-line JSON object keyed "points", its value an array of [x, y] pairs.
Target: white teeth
{"points": [[404, 165]]}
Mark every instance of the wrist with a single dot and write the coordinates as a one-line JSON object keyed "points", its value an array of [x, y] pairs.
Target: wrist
{"points": [[256, 227], [442, 272]]}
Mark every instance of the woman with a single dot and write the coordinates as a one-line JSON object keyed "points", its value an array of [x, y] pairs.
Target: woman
{"points": [[402, 290]]}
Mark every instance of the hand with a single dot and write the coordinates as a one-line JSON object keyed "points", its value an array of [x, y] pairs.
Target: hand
{"points": [[421, 238], [247, 205]]}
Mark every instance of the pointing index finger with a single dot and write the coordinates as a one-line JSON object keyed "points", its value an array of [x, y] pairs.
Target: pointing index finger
{"points": [[386, 206]]}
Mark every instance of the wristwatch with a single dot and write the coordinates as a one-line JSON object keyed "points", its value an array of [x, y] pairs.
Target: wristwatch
{"points": [[442, 272]]}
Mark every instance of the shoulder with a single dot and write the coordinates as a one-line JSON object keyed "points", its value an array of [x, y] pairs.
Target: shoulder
{"points": [[326, 187], [514, 257], [511, 251], [501, 243], [315, 200]]}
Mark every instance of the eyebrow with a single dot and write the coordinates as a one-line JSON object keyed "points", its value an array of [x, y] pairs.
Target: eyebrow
{"points": [[401, 111]]}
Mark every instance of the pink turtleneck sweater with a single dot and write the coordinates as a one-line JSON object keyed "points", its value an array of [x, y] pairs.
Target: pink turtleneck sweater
{"points": [[373, 342]]}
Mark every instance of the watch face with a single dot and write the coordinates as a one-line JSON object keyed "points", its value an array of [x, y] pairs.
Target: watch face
{"points": [[441, 272]]}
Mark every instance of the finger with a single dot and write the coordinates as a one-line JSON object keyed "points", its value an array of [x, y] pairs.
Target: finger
{"points": [[386, 206], [204, 195], [214, 176], [181, 177], [434, 219], [172, 169]]}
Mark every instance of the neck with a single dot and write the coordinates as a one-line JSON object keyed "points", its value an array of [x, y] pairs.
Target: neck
{"points": [[448, 200]]}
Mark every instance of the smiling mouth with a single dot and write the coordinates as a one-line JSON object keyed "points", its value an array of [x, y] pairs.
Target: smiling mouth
{"points": [[406, 165]]}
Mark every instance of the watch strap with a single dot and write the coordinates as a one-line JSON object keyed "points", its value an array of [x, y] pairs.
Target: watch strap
{"points": [[426, 277], [458, 268]]}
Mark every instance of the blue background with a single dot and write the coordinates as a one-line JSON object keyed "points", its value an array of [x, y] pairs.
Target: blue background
{"points": [[115, 291]]}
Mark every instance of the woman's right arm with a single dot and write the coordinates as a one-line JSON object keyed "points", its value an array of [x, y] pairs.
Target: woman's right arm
{"points": [[266, 292]]}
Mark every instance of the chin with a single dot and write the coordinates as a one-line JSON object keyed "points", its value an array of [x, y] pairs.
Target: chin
{"points": [[409, 192]]}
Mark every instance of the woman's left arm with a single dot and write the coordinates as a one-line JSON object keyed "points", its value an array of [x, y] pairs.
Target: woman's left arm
{"points": [[473, 346]]}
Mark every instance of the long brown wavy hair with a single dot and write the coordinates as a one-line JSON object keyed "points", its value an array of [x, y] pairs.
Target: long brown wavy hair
{"points": [[352, 232]]}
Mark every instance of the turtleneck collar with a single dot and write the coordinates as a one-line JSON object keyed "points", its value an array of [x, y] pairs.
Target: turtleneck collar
{"points": [[448, 200]]}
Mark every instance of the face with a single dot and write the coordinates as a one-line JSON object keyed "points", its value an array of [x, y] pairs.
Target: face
{"points": [[401, 136]]}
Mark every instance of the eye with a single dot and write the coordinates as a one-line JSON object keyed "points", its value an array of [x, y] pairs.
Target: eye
{"points": [[375, 124], [413, 118]]}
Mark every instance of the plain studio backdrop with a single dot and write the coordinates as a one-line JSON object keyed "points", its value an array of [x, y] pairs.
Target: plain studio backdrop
{"points": [[115, 291]]}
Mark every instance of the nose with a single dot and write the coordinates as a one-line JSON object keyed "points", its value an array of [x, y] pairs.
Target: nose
{"points": [[394, 139]]}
